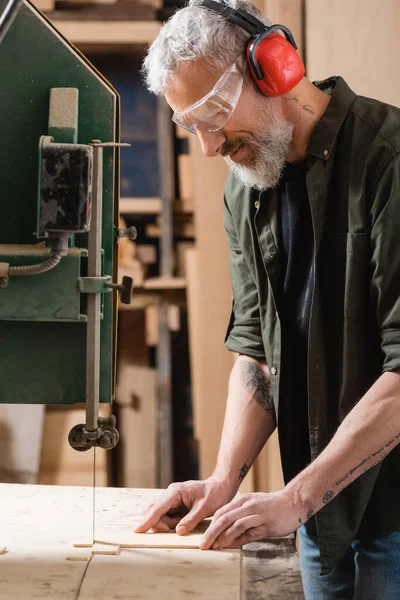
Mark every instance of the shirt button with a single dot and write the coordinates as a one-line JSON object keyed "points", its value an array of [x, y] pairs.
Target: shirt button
{"points": [[274, 370], [325, 152], [257, 203]]}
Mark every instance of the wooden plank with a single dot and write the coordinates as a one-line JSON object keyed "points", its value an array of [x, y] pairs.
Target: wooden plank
{"points": [[140, 206], [185, 170], [181, 230], [195, 341], [44, 5], [132, 348], [21, 433], [125, 537], [151, 325], [136, 397], [214, 362], [174, 318], [339, 38], [147, 254], [108, 32], [102, 549], [164, 400], [181, 249], [165, 283]]}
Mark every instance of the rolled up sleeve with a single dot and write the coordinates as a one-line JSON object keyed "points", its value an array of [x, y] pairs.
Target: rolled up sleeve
{"points": [[385, 261], [244, 331]]}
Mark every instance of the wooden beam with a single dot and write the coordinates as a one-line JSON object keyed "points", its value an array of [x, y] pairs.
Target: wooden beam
{"points": [[213, 305], [108, 32], [165, 283], [140, 206]]}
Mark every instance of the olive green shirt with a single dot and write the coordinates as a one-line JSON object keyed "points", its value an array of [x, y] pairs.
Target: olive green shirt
{"points": [[353, 184]]}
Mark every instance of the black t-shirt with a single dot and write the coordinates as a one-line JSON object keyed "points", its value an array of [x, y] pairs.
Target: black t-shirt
{"points": [[294, 306]]}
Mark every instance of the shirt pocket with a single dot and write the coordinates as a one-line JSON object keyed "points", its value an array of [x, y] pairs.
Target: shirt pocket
{"points": [[345, 276]]}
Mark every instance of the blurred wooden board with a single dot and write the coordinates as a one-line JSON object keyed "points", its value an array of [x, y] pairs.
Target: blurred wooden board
{"points": [[333, 49], [136, 396], [117, 33]]}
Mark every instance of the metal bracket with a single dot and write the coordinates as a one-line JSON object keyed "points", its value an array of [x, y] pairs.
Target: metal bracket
{"points": [[94, 285], [105, 436], [4, 268]]}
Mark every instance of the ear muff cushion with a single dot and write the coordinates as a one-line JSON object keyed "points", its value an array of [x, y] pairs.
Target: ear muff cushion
{"points": [[282, 67]]}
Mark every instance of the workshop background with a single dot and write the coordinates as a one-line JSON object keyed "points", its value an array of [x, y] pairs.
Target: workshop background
{"points": [[172, 366]]}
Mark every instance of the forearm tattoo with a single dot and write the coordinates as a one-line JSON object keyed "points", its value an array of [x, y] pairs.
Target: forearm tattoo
{"points": [[243, 472], [362, 467], [372, 460], [259, 384]]}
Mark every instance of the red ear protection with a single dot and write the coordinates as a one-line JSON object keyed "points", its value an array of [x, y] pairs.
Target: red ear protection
{"points": [[274, 63]]}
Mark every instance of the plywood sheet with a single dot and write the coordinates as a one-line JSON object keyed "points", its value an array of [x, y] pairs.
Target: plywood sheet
{"points": [[124, 536]]}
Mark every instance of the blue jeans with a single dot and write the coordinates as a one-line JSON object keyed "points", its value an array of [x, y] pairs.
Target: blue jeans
{"points": [[370, 570]]}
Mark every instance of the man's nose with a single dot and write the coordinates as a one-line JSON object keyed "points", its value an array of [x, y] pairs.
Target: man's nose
{"points": [[211, 142]]}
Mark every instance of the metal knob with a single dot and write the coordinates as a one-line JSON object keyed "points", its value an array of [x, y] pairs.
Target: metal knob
{"points": [[130, 233], [124, 288]]}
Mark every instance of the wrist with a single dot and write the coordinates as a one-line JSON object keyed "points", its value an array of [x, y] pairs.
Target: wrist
{"points": [[229, 480], [299, 494]]}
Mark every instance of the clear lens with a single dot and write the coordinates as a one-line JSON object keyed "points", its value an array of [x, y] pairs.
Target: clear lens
{"points": [[213, 111]]}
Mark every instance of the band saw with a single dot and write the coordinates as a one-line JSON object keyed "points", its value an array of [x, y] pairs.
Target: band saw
{"points": [[59, 185]]}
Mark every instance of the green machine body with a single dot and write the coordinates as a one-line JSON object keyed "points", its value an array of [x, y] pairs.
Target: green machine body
{"points": [[59, 177]]}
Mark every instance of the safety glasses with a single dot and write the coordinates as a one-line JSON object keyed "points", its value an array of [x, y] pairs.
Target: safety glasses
{"points": [[214, 110]]}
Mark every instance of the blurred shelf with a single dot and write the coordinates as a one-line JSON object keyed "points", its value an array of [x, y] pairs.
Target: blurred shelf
{"points": [[105, 33], [150, 206], [140, 206], [165, 283]]}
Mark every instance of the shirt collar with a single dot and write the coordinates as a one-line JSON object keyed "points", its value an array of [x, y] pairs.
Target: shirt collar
{"points": [[324, 135]]}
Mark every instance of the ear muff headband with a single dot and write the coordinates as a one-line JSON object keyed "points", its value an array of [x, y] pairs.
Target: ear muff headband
{"points": [[246, 21], [274, 63]]}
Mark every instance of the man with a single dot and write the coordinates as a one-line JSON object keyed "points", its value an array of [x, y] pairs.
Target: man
{"points": [[312, 215]]}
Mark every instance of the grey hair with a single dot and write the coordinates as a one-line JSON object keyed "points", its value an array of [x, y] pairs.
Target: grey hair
{"points": [[192, 33]]}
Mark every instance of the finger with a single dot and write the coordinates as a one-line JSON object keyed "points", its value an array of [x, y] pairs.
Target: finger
{"points": [[160, 527], [172, 522], [220, 525], [251, 535], [158, 510], [232, 505], [239, 528], [193, 518]]}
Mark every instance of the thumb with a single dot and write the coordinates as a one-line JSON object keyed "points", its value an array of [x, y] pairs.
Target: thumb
{"points": [[192, 519]]}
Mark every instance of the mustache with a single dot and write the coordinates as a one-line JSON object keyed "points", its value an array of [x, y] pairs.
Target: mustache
{"points": [[230, 148]]}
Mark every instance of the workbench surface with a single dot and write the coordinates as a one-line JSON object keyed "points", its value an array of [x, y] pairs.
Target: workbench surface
{"points": [[40, 524]]}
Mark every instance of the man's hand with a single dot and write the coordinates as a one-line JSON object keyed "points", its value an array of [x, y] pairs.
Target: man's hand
{"points": [[185, 505], [251, 517]]}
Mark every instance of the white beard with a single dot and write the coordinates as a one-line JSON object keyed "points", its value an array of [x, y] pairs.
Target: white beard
{"points": [[270, 152]]}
